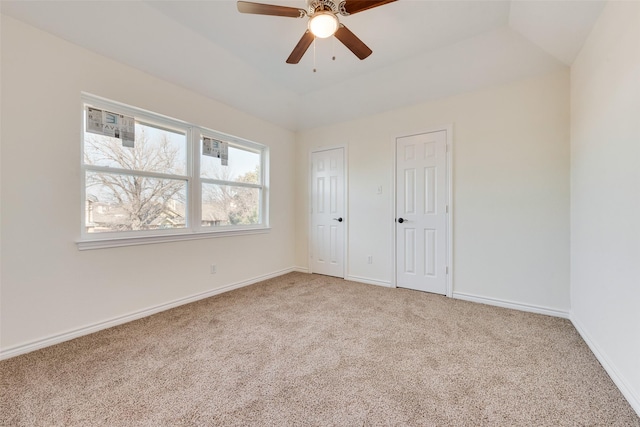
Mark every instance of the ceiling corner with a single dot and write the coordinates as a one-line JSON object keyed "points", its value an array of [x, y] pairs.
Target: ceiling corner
{"points": [[558, 27]]}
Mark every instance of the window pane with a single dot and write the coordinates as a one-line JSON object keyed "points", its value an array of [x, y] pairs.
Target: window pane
{"points": [[154, 150], [244, 166], [230, 205], [116, 202]]}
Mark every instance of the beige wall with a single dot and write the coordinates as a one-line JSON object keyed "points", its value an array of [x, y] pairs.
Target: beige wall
{"points": [[48, 286], [511, 189], [605, 194]]}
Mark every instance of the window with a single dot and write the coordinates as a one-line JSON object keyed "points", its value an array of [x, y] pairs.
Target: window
{"points": [[231, 194], [142, 182]]}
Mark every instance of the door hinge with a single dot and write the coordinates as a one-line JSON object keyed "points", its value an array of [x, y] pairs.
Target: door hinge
{"points": [[446, 270], [446, 209]]}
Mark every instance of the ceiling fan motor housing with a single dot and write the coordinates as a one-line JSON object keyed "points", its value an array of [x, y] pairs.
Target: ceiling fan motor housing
{"points": [[327, 5]]}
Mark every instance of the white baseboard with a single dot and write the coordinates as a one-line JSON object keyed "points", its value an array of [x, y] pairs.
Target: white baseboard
{"points": [[95, 327], [513, 305], [301, 269], [632, 397], [369, 281]]}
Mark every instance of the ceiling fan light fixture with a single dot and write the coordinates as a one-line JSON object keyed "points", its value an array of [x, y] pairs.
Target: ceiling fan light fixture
{"points": [[323, 24]]}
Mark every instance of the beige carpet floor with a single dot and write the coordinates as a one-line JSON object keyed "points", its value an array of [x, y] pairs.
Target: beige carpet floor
{"points": [[312, 350]]}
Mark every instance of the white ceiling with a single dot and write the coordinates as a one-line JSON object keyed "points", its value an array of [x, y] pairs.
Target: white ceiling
{"points": [[422, 50]]}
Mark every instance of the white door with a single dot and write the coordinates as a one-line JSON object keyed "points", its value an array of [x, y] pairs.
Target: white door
{"points": [[327, 212], [421, 212]]}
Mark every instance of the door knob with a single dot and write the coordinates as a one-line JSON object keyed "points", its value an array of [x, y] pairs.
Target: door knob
{"points": [[401, 220], [338, 219]]}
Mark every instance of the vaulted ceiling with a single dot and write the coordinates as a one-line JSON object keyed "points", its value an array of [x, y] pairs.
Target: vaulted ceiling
{"points": [[422, 50]]}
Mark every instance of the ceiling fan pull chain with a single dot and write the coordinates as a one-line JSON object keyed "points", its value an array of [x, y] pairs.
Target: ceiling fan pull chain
{"points": [[333, 48], [314, 54]]}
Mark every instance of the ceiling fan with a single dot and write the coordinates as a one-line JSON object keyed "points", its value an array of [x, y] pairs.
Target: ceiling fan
{"points": [[323, 22]]}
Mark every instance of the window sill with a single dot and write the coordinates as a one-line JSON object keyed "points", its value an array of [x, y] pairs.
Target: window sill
{"points": [[89, 244]]}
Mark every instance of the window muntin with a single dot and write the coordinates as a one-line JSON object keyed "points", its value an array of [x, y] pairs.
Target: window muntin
{"points": [[148, 190]]}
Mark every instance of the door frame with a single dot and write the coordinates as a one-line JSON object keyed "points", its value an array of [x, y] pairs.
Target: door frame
{"points": [[345, 184], [449, 215]]}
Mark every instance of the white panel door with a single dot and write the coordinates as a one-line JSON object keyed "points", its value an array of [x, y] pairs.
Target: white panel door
{"points": [[421, 212], [327, 212]]}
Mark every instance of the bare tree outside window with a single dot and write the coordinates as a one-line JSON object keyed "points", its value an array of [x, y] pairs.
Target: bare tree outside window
{"points": [[231, 194], [127, 199], [231, 204]]}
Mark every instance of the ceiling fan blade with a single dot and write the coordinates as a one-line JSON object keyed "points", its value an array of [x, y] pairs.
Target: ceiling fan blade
{"points": [[270, 9], [301, 48], [355, 6], [352, 42]]}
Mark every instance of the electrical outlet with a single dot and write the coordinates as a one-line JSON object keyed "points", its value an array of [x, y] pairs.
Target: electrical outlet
{"points": [[214, 269], [369, 259]]}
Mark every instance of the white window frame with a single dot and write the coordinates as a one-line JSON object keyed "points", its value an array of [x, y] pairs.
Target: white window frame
{"points": [[193, 228]]}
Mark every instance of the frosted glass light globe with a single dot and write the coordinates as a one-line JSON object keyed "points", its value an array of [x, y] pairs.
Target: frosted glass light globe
{"points": [[323, 24]]}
